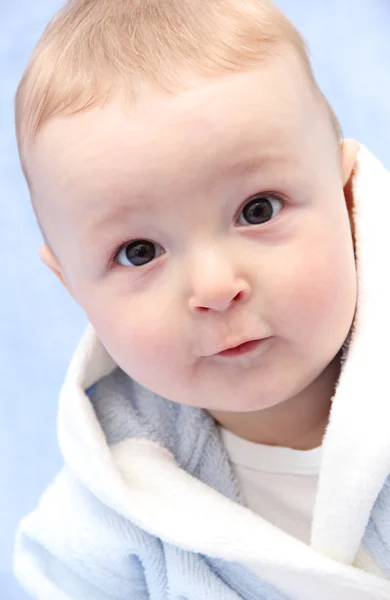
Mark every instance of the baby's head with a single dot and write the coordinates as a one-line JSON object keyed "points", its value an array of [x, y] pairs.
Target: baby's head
{"points": [[151, 133]]}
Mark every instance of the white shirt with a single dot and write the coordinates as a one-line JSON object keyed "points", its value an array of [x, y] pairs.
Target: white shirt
{"points": [[279, 484]]}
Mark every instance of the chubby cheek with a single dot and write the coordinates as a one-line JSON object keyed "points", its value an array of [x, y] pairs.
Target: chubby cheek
{"points": [[316, 298], [137, 337]]}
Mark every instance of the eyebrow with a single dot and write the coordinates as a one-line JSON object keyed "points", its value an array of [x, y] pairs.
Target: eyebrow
{"points": [[108, 217], [112, 215]]}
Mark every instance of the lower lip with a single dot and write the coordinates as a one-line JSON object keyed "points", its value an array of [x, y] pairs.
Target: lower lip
{"points": [[243, 348]]}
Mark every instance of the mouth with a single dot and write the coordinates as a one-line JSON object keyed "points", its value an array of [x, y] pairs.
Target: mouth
{"points": [[244, 348]]}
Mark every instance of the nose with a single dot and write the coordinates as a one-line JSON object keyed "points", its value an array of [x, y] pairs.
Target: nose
{"points": [[215, 283]]}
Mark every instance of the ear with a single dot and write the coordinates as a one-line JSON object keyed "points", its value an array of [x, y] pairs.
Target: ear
{"points": [[349, 152], [48, 258]]}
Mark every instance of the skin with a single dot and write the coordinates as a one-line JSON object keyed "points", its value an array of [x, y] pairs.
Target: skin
{"points": [[183, 167]]}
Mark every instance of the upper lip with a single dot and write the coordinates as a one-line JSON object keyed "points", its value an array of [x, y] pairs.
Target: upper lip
{"points": [[231, 346]]}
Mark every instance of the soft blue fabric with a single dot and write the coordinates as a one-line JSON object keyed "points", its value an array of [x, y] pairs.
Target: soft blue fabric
{"points": [[89, 552], [192, 435]]}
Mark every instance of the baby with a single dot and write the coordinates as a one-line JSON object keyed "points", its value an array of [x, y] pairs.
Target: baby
{"points": [[197, 200]]}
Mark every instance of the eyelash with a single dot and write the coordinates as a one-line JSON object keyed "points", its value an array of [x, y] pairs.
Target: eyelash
{"points": [[114, 257]]}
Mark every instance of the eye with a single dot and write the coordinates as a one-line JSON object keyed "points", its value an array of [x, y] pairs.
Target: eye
{"points": [[136, 253], [261, 209]]}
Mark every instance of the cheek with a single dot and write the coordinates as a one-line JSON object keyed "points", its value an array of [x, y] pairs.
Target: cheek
{"points": [[316, 297], [138, 335]]}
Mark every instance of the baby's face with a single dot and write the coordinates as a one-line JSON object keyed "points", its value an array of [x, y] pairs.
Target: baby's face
{"points": [[200, 220]]}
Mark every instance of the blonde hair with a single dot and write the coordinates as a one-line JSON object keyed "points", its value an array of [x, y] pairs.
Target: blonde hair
{"points": [[91, 48]]}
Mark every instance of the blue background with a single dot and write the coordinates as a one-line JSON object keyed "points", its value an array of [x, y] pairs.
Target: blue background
{"points": [[39, 323]]}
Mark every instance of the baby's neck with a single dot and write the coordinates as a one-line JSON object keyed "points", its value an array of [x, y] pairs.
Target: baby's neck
{"points": [[297, 423]]}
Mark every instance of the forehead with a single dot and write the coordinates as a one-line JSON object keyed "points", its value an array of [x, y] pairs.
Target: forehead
{"points": [[278, 87], [168, 137]]}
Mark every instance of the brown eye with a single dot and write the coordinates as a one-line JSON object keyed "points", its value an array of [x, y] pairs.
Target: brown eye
{"points": [[137, 253], [261, 209]]}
